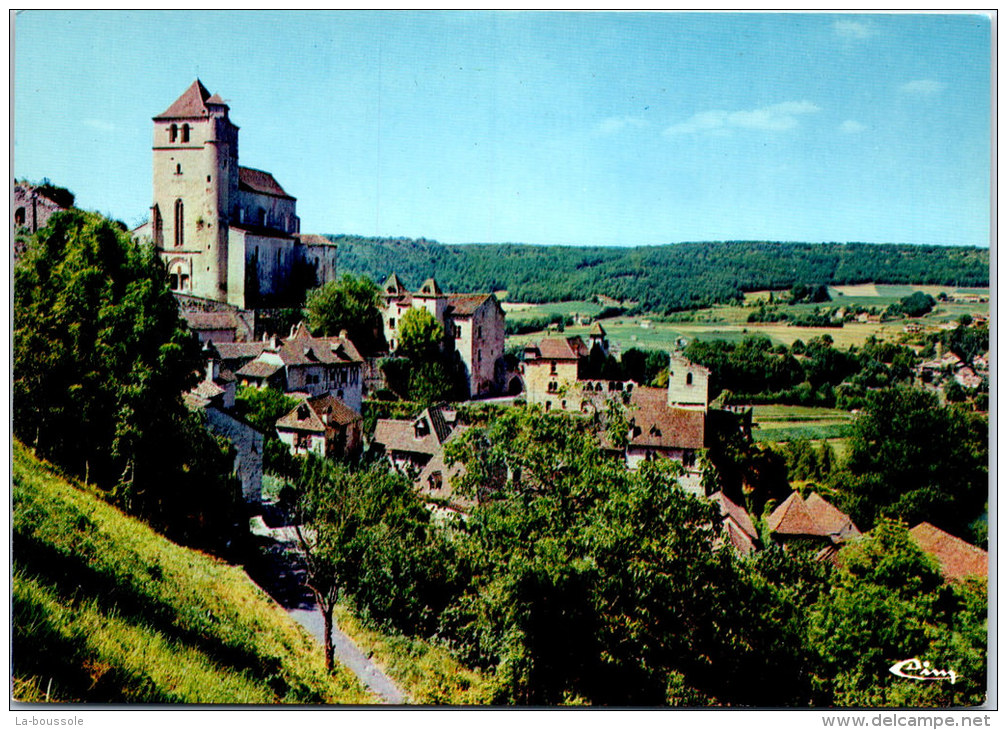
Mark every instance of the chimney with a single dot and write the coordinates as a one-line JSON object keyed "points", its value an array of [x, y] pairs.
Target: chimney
{"points": [[211, 369], [342, 334]]}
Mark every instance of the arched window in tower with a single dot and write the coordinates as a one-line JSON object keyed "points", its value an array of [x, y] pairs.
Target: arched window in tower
{"points": [[262, 217], [179, 223], [19, 217], [688, 379], [185, 133], [173, 133], [158, 225]]}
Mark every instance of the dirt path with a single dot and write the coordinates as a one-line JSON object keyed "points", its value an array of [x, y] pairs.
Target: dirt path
{"points": [[280, 573]]}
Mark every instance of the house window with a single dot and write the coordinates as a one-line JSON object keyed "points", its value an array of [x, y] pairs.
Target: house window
{"points": [[456, 331], [183, 282], [391, 323], [173, 133], [185, 133], [479, 332], [173, 281], [553, 387], [552, 368], [302, 441], [19, 217], [688, 379], [178, 168], [548, 405], [179, 223]]}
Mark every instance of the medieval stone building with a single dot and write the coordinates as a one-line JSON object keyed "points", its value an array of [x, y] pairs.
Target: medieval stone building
{"points": [[226, 233]]}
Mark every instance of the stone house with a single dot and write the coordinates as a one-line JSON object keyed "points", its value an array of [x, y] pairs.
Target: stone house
{"points": [[552, 367], [225, 232], [303, 363], [214, 396], [738, 529], [32, 209], [321, 425], [473, 328]]}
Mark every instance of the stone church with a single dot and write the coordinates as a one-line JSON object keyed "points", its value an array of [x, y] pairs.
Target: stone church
{"points": [[226, 233]]}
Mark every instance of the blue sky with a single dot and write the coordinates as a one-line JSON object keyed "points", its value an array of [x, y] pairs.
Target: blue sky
{"points": [[570, 128]]}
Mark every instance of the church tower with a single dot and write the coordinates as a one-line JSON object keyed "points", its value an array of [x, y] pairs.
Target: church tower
{"points": [[195, 192]]}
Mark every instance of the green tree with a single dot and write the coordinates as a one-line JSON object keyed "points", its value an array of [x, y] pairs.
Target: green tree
{"points": [[353, 303], [263, 407], [420, 335], [911, 458], [101, 359]]}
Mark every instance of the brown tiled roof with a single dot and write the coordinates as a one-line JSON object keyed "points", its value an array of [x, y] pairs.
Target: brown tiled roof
{"points": [[260, 181], [465, 305], [561, 348], [313, 239], [215, 99], [836, 522], [814, 517], [314, 410], [258, 369], [792, 518], [736, 514], [301, 348], [210, 320], [192, 103], [654, 423], [207, 390], [740, 540], [239, 350], [958, 559], [400, 435]]}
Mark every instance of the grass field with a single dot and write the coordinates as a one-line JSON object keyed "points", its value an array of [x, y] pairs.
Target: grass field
{"points": [[104, 609], [518, 311], [730, 322], [776, 423]]}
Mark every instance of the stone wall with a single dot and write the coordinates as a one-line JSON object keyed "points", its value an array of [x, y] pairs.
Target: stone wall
{"points": [[247, 442]]}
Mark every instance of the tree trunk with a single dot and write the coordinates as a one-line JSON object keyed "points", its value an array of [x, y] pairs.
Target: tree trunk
{"points": [[326, 609]]}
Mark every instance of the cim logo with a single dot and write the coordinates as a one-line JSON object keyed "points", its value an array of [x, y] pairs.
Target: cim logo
{"points": [[921, 671]]}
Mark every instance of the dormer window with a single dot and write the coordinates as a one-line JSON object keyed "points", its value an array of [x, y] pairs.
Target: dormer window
{"points": [[421, 428], [302, 413]]}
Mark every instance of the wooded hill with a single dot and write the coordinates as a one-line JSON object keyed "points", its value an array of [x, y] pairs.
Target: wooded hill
{"points": [[658, 278]]}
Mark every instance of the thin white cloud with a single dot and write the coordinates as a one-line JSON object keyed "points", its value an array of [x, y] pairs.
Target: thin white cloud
{"points": [[851, 127], [854, 30], [613, 125], [100, 125], [774, 118], [922, 87]]}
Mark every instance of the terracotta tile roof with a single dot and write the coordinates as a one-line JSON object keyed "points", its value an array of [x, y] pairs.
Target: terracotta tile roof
{"points": [[435, 429], [958, 559], [239, 350], [559, 348], [313, 239], [836, 522], [736, 514], [215, 99], [258, 369], [814, 518], [260, 181], [301, 348], [465, 305], [738, 537], [192, 103], [311, 415], [210, 320], [656, 424]]}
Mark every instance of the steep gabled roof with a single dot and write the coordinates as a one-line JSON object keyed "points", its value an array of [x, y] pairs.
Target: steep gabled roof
{"points": [[311, 415], [430, 289], [597, 330], [740, 540], [736, 514], [793, 518], [401, 435], [393, 286], [830, 518], [192, 103], [301, 348], [958, 559], [262, 182]]}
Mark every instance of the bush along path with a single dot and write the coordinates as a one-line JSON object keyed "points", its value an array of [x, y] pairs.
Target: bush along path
{"points": [[280, 572]]}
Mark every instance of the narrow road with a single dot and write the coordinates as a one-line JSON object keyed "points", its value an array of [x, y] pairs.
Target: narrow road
{"points": [[281, 574]]}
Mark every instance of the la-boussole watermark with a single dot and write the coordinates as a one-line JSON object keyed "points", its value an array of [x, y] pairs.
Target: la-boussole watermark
{"points": [[921, 671]]}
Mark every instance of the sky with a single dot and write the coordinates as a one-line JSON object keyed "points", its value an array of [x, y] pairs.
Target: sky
{"points": [[537, 127]]}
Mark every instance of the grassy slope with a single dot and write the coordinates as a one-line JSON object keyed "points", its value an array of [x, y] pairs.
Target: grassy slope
{"points": [[106, 610]]}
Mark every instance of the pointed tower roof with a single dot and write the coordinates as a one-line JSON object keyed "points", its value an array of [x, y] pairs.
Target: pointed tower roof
{"points": [[597, 330], [192, 103], [792, 518], [394, 286], [430, 289]]}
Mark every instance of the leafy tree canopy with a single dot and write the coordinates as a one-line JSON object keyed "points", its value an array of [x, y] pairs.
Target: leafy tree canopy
{"points": [[420, 335], [353, 304]]}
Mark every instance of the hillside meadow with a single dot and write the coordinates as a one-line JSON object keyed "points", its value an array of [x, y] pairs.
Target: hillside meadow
{"points": [[106, 610]]}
